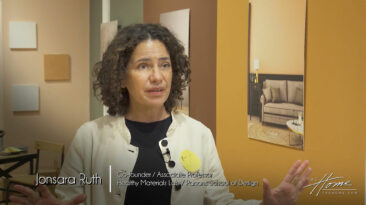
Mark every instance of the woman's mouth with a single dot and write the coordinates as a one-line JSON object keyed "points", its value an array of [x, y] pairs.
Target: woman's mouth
{"points": [[155, 91]]}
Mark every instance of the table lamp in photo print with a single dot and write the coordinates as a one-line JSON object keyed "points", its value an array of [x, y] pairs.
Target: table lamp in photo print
{"points": [[299, 115], [256, 68]]}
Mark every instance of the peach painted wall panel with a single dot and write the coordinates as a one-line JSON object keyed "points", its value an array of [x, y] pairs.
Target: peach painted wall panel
{"points": [[62, 27]]}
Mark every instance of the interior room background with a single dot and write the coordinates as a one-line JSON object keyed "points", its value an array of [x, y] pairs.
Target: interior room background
{"points": [[334, 99]]}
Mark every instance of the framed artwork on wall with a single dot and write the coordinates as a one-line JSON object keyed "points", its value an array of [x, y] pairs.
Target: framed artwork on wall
{"points": [[276, 72]]}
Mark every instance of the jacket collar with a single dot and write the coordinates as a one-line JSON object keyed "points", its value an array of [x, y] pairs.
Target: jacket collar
{"points": [[173, 125], [127, 135]]}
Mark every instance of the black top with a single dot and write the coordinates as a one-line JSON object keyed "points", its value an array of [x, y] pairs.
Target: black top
{"points": [[153, 189]]}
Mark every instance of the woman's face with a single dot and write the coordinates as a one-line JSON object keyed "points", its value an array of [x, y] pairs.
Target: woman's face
{"points": [[149, 75]]}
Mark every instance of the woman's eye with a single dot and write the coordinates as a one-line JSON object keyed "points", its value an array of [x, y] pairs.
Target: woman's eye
{"points": [[166, 65], [142, 66]]}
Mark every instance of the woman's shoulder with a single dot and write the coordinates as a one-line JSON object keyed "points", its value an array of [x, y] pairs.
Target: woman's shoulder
{"points": [[101, 123], [188, 122]]}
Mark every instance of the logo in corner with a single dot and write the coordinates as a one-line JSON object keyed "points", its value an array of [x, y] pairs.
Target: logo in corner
{"points": [[332, 186]]}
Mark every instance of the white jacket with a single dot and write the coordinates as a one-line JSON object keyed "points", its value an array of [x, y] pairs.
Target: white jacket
{"points": [[105, 143]]}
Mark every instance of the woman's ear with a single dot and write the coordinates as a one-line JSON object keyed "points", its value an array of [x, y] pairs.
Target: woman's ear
{"points": [[123, 84]]}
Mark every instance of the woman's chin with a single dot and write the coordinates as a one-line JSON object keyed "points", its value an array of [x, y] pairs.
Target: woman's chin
{"points": [[156, 103]]}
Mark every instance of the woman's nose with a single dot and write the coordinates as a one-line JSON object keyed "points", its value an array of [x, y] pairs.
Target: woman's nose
{"points": [[156, 75]]}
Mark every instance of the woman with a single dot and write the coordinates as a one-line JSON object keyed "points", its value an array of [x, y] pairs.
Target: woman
{"points": [[144, 151]]}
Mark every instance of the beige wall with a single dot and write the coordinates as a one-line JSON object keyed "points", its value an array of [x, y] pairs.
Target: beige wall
{"points": [[278, 36], [62, 27], [202, 54]]}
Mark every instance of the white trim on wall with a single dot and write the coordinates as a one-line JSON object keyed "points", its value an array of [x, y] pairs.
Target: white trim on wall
{"points": [[106, 17], [178, 23], [106, 11]]}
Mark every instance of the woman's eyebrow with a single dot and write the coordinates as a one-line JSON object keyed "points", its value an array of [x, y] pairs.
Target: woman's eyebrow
{"points": [[149, 59], [164, 58], [143, 60]]}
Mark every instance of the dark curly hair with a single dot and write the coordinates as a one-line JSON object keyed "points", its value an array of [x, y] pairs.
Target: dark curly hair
{"points": [[112, 69]]}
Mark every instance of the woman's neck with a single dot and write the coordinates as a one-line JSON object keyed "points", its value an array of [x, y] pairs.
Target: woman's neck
{"points": [[146, 115]]}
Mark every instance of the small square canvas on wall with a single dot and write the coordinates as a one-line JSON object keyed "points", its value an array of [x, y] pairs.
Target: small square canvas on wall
{"points": [[22, 35], [25, 97], [56, 67]]}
